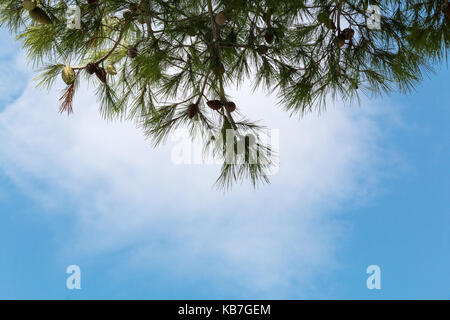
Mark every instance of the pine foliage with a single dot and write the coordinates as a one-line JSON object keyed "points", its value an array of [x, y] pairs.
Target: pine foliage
{"points": [[163, 63]]}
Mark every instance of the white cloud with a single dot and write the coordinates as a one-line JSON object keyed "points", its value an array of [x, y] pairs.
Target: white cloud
{"points": [[124, 194]]}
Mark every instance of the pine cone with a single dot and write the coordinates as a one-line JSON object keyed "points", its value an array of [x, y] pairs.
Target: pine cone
{"points": [[111, 70], [68, 75], [132, 52], [262, 50], [221, 19], [29, 5], [215, 104], [133, 7], [269, 37], [101, 74], [339, 41], [128, 15], [192, 110], [348, 33], [92, 2], [91, 67], [447, 11], [39, 15], [230, 106]]}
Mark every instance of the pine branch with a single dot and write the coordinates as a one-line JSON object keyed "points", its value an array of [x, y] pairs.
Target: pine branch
{"points": [[153, 60]]}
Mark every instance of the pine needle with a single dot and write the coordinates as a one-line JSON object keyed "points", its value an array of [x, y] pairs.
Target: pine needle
{"points": [[67, 99]]}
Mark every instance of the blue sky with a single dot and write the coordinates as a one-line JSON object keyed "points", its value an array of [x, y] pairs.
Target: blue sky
{"points": [[357, 186]]}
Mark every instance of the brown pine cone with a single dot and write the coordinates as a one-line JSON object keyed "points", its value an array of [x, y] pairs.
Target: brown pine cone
{"points": [[230, 106], [340, 41], [128, 15], [269, 37], [215, 104], [132, 52], [91, 67], [221, 19], [39, 15], [192, 110], [135, 8], [101, 74], [262, 50], [348, 33]]}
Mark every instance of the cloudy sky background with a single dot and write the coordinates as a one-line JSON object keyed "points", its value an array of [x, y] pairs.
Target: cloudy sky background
{"points": [[357, 186]]}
